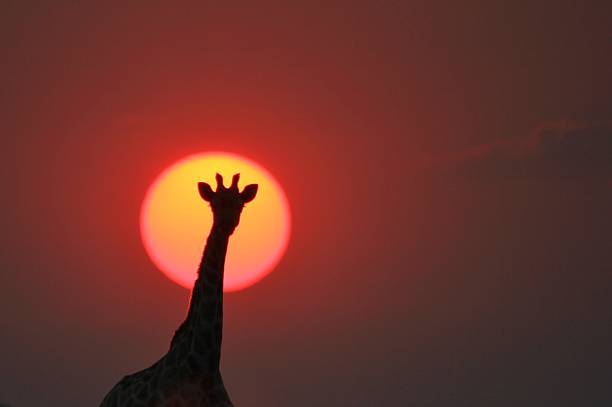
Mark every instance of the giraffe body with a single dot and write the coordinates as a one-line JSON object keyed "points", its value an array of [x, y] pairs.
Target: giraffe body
{"points": [[188, 374]]}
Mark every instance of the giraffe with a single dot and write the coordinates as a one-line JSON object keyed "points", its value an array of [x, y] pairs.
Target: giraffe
{"points": [[188, 374]]}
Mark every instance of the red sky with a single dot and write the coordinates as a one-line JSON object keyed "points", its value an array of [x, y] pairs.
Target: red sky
{"points": [[435, 260]]}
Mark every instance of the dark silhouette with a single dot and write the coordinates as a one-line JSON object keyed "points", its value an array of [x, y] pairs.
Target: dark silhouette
{"points": [[188, 374]]}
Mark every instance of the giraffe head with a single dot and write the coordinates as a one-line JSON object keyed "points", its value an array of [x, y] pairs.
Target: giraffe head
{"points": [[227, 203]]}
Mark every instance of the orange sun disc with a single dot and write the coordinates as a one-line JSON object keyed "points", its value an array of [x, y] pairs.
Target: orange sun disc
{"points": [[175, 220]]}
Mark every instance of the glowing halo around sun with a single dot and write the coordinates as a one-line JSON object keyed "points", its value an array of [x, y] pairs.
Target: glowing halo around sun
{"points": [[175, 220]]}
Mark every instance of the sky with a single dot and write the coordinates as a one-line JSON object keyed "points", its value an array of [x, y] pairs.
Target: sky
{"points": [[448, 167]]}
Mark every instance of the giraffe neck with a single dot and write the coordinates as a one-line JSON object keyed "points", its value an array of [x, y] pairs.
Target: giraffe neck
{"points": [[201, 332]]}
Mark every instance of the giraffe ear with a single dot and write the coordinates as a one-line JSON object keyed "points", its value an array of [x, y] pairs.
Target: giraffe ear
{"points": [[206, 191], [248, 193]]}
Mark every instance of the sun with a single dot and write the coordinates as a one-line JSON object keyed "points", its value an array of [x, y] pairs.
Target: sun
{"points": [[175, 221]]}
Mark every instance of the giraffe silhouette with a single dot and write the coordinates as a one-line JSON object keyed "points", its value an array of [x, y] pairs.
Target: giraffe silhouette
{"points": [[188, 374]]}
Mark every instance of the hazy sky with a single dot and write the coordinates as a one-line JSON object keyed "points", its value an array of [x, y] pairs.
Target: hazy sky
{"points": [[448, 166]]}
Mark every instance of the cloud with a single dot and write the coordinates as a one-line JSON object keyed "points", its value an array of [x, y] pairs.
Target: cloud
{"points": [[559, 150]]}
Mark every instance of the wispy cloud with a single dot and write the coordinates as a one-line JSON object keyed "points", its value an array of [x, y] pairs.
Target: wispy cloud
{"points": [[561, 150]]}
